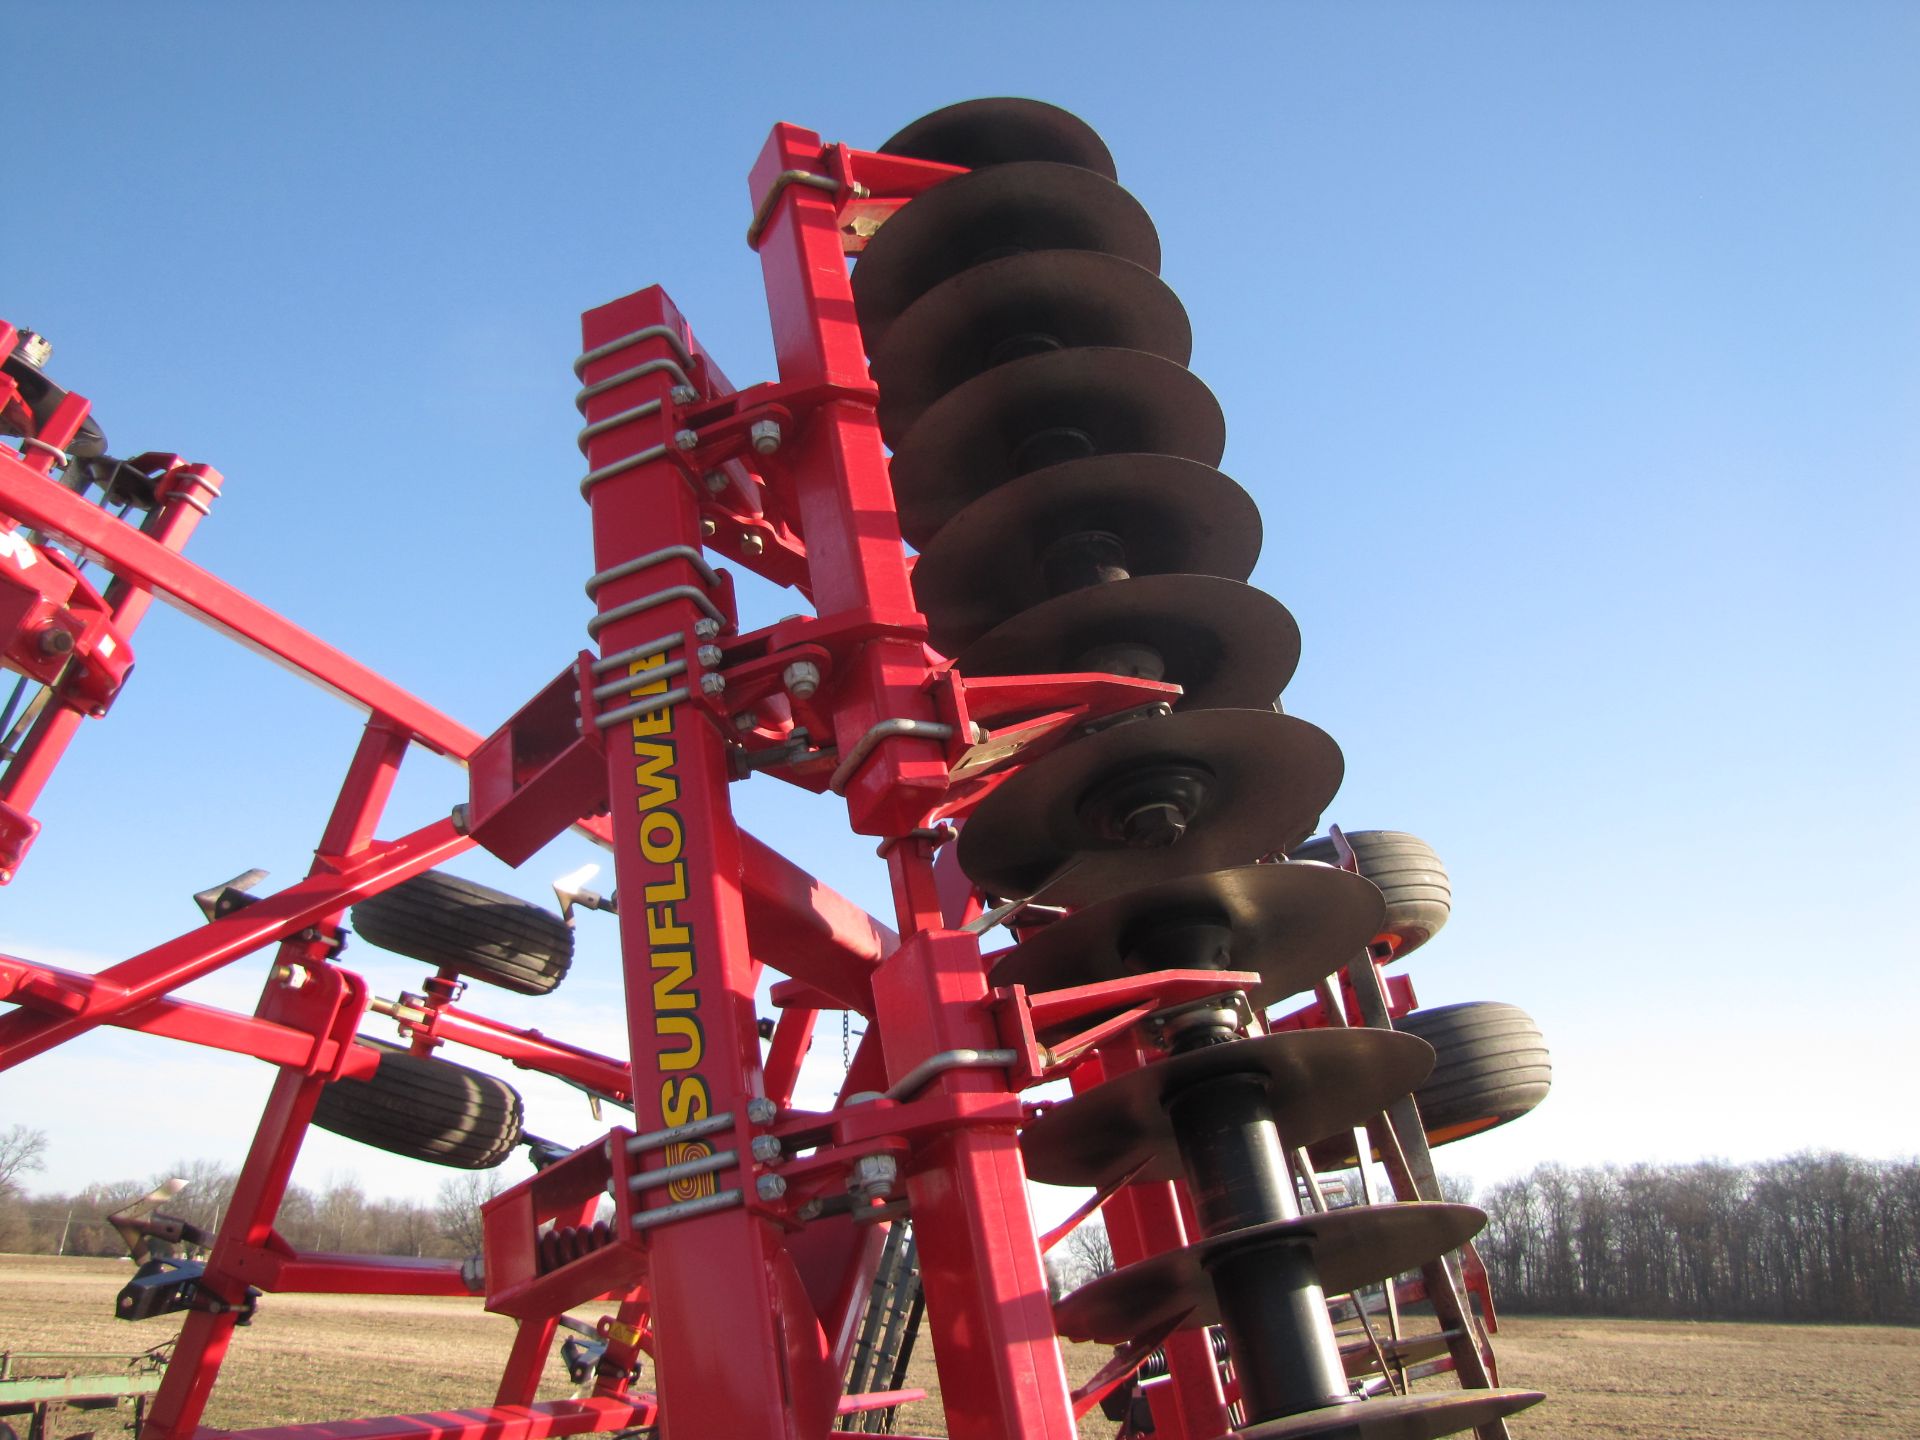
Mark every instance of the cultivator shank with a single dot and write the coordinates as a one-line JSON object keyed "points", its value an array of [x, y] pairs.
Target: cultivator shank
{"points": [[1060, 717]]}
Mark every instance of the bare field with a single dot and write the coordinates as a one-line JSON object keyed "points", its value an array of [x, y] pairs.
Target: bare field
{"points": [[315, 1357]]}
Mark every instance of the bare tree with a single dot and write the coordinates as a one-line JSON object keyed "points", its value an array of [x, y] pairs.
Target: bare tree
{"points": [[1089, 1253], [458, 1210], [22, 1149]]}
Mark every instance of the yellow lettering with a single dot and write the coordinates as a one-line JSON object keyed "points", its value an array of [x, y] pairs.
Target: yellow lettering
{"points": [[687, 1028], [660, 839], [668, 993], [683, 1101], [651, 774], [676, 889]]}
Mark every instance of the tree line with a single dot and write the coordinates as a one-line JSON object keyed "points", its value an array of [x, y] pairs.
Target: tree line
{"points": [[1819, 1237], [339, 1216], [1825, 1237]]}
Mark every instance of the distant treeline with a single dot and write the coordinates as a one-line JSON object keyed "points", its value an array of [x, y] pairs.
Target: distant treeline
{"points": [[1809, 1237], [338, 1217]]}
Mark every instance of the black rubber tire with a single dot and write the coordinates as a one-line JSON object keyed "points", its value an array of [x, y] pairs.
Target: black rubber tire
{"points": [[1490, 1066], [425, 1109], [1409, 874], [482, 933]]}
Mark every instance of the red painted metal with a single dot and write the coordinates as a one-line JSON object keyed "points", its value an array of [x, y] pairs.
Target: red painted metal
{"points": [[742, 1272]]}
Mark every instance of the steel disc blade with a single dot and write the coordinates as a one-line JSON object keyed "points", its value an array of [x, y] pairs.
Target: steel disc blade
{"points": [[1357, 1246], [1318, 1081], [1044, 299], [1271, 776], [1231, 646], [1397, 1417], [1294, 924], [1170, 516], [969, 219], [1000, 129], [1121, 402]]}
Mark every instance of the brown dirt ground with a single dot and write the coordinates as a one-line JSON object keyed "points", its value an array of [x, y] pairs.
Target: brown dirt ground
{"points": [[313, 1357]]}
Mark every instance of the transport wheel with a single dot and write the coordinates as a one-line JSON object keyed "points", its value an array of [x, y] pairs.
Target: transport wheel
{"points": [[482, 933], [425, 1109], [1408, 873], [1491, 1066]]}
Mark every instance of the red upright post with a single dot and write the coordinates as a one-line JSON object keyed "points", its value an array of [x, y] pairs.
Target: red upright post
{"points": [[739, 1350], [993, 1333]]}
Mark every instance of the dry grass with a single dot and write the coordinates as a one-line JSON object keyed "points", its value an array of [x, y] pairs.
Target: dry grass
{"points": [[313, 1357]]}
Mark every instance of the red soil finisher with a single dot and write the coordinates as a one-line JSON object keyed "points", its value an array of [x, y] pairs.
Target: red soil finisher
{"points": [[1059, 723]]}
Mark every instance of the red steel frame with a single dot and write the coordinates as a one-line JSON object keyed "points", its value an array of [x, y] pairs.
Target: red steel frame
{"points": [[639, 750]]}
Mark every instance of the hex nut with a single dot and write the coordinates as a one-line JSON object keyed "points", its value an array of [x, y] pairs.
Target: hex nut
{"points": [[770, 1187], [873, 1175], [762, 1111], [712, 684], [765, 435], [801, 679], [767, 1149]]}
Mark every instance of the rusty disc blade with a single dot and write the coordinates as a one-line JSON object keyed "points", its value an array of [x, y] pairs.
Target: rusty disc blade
{"points": [[1021, 304], [1357, 1246], [1396, 1417], [1229, 645], [1267, 777], [1294, 924], [1318, 1081], [1000, 129], [959, 223], [990, 430], [1170, 517]]}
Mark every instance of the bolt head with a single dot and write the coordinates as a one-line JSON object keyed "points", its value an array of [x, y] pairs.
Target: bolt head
{"points": [[712, 684], [715, 481], [744, 721], [708, 655], [707, 528], [752, 544], [761, 1110], [706, 629], [686, 439], [811, 1209], [765, 435], [766, 1149], [461, 817], [55, 641], [770, 1187], [685, 395]]}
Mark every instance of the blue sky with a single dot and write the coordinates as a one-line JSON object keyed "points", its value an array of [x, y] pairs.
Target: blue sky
{"points": [[1572, 353]]}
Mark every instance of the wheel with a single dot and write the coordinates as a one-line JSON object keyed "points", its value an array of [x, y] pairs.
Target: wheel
{"points": [[1408, 873], [425, 1109], [1490, 1066], [482, 933]]}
